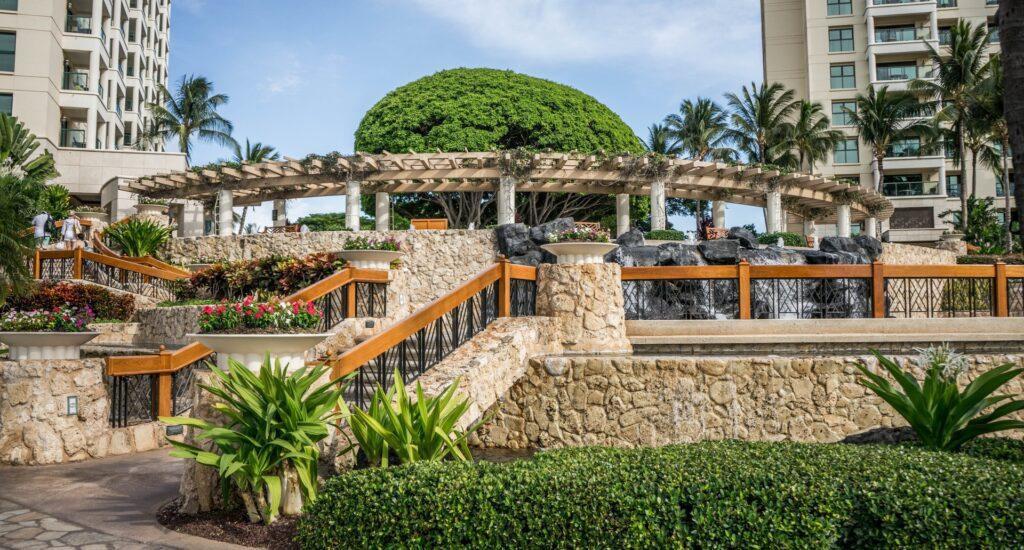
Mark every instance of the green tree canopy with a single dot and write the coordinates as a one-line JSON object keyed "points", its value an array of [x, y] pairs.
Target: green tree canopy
{"points": [[487, 109]]}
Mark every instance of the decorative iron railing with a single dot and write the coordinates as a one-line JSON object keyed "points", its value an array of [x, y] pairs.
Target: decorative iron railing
{"points": [[131, 399], [119, 273], [1015, 297]]}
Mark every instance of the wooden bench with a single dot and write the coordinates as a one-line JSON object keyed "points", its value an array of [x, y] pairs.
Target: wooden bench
{"points": [[429, 223]]}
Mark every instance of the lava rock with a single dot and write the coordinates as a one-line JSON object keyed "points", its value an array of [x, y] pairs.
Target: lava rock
{"points": [[720, 251], [769, 256], [541, 234], [841, 244], [872, 246], [514, 239], [744, 236], [532, 257], [633, 237], [634, 256], [817, 257], [679, 254]]}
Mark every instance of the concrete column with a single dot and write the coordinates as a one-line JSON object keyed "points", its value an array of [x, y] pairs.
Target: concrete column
{"points": [[621, 213], [843, 220], [773, 211], [225, 216], [933, 24], [382, 211], [90, 128], [94, 71], [718, 213], [280, 213], [353, 205], [943, 190], [658, 205], [871, 227], [97, 18], [871, 30], [111, 134], [872, 71], [811, 230], [506, 200]]}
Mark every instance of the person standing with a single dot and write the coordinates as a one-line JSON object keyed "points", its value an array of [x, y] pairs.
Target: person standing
{"points": [[69, 231], [40, 228]]}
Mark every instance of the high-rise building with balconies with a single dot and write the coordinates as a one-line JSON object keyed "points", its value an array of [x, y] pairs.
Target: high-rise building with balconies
{"points": [[831, 50], [79, 74]]}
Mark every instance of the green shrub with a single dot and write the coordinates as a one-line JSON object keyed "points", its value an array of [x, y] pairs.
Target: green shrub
{"points": [[106, 305], [137, 237], [788, 238], [989, 259], [666, 235], [712, 494]]}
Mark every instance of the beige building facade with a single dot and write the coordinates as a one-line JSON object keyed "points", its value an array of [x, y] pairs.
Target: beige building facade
{"points": [[831, 50]]}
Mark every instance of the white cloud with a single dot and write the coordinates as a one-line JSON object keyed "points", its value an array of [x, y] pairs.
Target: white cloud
{"points": [[715, 37]]}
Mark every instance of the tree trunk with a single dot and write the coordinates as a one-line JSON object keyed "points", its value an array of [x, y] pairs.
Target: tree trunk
{"points": [[1007, 189], [291, 492], [241, 222], [1011, 38], [881, 173], [974, 173], [250, 507], [963, 178], [264, 508]]}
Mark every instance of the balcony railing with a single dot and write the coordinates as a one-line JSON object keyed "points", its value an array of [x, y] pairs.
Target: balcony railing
{"points": [[908, 34], [910, 188], [70, 137], [79, 24], [903, 149], [76, 81], [893, 2], [117, 109], [947, 3]]}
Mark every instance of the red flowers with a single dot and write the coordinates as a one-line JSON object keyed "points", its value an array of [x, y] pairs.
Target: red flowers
{"points": [[247, 314]]}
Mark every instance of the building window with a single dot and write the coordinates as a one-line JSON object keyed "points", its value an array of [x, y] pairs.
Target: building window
{"points": [[7, 104], [1000, 190], [842, 112], [993, 33], [9, 5], [953, 187], [7, 51], [908, 185], [906, 147], [840, 40], [906, 70], [944, 34], [842, 77], [913, 218], [947, 3], [840, 7], [846, 152]]}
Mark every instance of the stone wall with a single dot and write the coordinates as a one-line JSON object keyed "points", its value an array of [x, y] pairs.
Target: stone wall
{"points": [[587, 302], [167, 325], [631, 401], [36, 429], [896, 253]]}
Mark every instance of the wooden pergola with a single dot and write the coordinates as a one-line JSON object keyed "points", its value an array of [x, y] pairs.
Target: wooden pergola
{"points": [[814, 198]]}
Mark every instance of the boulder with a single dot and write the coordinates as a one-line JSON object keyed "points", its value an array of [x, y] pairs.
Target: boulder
{"points": [[817, 257], [872, 246], [532, 257], [772, 255], [721, 251], [841, 244], [635, 256], [633, 237], [541, 234], [514, 239], [744, 236], [679, 254]]}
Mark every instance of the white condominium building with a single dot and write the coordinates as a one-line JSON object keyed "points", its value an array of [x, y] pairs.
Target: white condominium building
{"points": [[78, 74], [831, 50]]}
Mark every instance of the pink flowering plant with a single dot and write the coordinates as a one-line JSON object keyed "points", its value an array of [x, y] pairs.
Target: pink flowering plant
{"points": [[250, 316], [580, 234], [363, 243], [57, 319]]}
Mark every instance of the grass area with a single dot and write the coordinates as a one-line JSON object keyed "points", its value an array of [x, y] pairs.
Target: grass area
{"points": [[192, 302]]}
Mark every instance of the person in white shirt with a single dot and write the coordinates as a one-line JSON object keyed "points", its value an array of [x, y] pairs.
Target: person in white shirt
{"points": [[69, 231], [39, 231]]}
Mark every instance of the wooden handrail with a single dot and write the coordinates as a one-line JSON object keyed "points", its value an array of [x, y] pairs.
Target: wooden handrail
{"points": [[132, 266], [333, 282]]}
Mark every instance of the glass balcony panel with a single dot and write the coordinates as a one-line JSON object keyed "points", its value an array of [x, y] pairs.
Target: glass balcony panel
{"points": [[79, 24], [71, 137], [899, 34], [897, 72], [904, 148], [76, 81], [947, 3], [892, 2]]}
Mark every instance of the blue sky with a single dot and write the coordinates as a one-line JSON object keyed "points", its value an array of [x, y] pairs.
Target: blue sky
{"points": [[301, 73]]}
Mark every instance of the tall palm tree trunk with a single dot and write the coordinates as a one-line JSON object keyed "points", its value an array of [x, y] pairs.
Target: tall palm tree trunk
{"points": [[974, 173], [1007, 188], [1011, 37], [963, 178]]}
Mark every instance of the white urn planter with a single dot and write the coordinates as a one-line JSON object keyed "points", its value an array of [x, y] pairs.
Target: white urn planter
{"points": [[24, 346], [250, 349], [580, 252], [151, 209], [94, 216], [370, 259]]}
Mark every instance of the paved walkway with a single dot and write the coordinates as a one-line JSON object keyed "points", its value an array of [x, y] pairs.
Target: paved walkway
{"points": [[93, 505]]}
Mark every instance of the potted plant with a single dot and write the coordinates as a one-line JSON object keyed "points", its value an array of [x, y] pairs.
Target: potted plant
{"points": [[57, 333], [152, 207], [137, 237], [249, 331], [95, 213], [367, 253], [580, 245]]}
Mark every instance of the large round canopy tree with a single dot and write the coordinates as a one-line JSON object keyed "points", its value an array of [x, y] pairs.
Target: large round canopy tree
{"points": [[485, 110]]}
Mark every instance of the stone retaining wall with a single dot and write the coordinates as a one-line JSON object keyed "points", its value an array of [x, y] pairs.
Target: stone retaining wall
{"points": [[36, 429], [167, 325], [896, 253], [631, 401]]}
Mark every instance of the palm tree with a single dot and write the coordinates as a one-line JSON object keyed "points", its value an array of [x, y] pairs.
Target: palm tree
{"points": [[1011, 38], [882, 119], [17, 146], [192, 112], [16, 202], [253, 153], [661, 140], [813, 136], [978, 140], [957, 75], [990, 104], [760, 126]]}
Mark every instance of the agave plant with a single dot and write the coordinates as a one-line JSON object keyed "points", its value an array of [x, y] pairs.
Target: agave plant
{"points": [[424, 430], [268, 446], [138, 237], [943, 416]]}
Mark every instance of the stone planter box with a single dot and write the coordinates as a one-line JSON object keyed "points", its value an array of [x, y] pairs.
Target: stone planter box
{"points": [[580, 253], [94, 216], [45, 345], [151, 209], [249, 349], [370, 259]]}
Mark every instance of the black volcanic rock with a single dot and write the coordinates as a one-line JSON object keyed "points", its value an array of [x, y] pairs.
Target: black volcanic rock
{"points": [[872, 246], [541, 234], [744, 236], [720, 251], [679, 254], [514, 239], [633, 237]]}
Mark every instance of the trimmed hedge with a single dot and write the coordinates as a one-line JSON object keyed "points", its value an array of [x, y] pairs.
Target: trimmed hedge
{"points": [[711, 494], [106, 305], [665, 235], [788, 238], [988, 259]]}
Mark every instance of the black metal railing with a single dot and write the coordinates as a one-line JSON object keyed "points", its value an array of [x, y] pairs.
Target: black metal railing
{"points": [[426, 347], [56, 269], [939, 297], [371, 299], [131, 399], [1015, 297], [128, 280], [832, 298], [182, 383], [523, 295], [681, 299], [332, 306]]}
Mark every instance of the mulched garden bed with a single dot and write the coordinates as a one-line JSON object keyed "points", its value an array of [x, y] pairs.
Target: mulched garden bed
{"points": [[231, 526]]}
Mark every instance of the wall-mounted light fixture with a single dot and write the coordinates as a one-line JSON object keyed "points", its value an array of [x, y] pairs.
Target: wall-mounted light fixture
{"points": [[72, 405]]}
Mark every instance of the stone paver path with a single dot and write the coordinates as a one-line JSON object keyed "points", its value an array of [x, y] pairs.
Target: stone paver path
{"points": [[22, 528]]}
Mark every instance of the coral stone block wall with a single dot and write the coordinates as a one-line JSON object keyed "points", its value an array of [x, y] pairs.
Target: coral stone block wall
{"points": [[896, 253], [35, 427], [631, 400]]}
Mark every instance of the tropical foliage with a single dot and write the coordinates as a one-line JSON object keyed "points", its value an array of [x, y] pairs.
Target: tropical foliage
{"points": [[57, 319], [882, 119], [191, 112], [365, 243], [788, 239], [761, 128], [266, 448], [944, 416], [48, 295], [662, 140], [250, 316], [137, 237], [17, 200], [56, 200], [813, 136], [273, 275], [253, 153], [17, 145], [983, 228]]}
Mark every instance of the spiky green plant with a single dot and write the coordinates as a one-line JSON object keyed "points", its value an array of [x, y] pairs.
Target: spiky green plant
{"points": [[55, 199], [944, 416], [267, 446], [138, 237], [17, 146], [16, 199], [191, 112]]}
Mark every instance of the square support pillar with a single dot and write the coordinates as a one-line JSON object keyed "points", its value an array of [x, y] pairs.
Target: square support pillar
{"points": [[621, 214], [773, 211], [225, 213], [658, 216], [353, 205], [280, 213], [382, 211], [718, 213], [843, 220], [506, 200]]}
